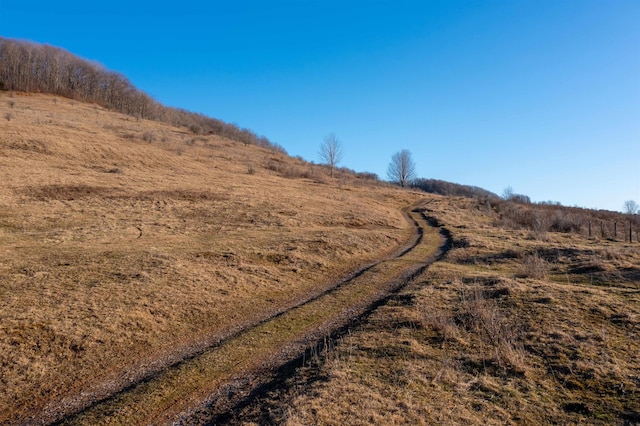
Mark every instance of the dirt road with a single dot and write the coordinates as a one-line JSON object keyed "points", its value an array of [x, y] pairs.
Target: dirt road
{"points": [[204, 382]]}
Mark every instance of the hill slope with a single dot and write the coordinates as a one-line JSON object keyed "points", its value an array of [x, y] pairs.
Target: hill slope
{"points": [[512, 327], [123, 239]]}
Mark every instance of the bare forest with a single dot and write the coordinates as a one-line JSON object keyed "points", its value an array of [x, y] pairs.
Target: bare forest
{"points": [[36, 68]]}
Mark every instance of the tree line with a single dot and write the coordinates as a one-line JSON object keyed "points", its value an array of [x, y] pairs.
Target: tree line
{"points": [[37, 68]]}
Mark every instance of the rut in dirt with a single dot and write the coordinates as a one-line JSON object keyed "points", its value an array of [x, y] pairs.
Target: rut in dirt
{"points": [[260, 399], [209, 382]]}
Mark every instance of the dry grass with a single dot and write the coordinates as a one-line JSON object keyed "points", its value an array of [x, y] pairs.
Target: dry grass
{"points": [[508, 329], [180, 388], [122, 239]]}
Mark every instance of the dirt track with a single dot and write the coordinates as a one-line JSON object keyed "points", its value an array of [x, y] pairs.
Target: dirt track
{"points": [[203, 384]]}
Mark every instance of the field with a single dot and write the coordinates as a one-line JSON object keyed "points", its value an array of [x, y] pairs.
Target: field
{"points": [[129, 246], [126, 243], [513, 327]]}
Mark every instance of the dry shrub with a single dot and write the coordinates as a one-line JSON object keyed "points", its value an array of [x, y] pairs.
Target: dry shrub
{"points": [[534, 266], [196, 129], [294, 172], [439, 320], [476, 318], [563, 221], [275, 165], [484, 318], [149, 136]]}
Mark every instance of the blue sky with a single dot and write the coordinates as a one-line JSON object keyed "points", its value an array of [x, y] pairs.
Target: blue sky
{"points": [[539, 95]]}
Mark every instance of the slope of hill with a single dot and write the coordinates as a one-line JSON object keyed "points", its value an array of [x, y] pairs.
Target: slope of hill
{"points": [[514, 326], [122, 239], [129, 245]]}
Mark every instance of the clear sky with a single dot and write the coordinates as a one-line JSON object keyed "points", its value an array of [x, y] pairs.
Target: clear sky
{"points": [[539, 95]]}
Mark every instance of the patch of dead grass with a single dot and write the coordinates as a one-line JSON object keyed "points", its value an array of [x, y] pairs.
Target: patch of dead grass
{"points": [[114, 250], [507, 329]]}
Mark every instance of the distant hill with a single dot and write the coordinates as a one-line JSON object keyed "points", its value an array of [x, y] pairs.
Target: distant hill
{"points": [[37, 68], [441, 187]]}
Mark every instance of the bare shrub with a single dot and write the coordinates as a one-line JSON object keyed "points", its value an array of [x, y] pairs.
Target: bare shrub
{"points": [[149, 136], [534, 266], [11, 103], [8, 116], [477, 317], [275, 165], [485, 319], [296, 172], [129, 136], [543, 217], [196, 129], [367, 176], [564, 221], [440, 321], [319, 179]]}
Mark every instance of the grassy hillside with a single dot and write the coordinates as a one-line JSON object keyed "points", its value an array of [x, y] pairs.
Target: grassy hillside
{"points": [[513, 327], [124, 241], [127, 243]]}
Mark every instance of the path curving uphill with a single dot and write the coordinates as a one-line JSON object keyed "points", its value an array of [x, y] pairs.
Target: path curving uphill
{"points": [[202, 383]]}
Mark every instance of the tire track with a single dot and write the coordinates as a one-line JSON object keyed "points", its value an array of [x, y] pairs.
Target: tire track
{"points": [[249, 400], [86, 408]]}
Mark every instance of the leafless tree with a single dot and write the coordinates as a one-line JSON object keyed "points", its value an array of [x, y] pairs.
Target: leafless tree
{"points": [[402, 169], [630, 207], [508, 193], [331, 151]]}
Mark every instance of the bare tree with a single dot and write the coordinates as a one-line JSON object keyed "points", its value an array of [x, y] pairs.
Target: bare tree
{"points": [[331, 151], [631, 207], [508, 193], [402, 169]]}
